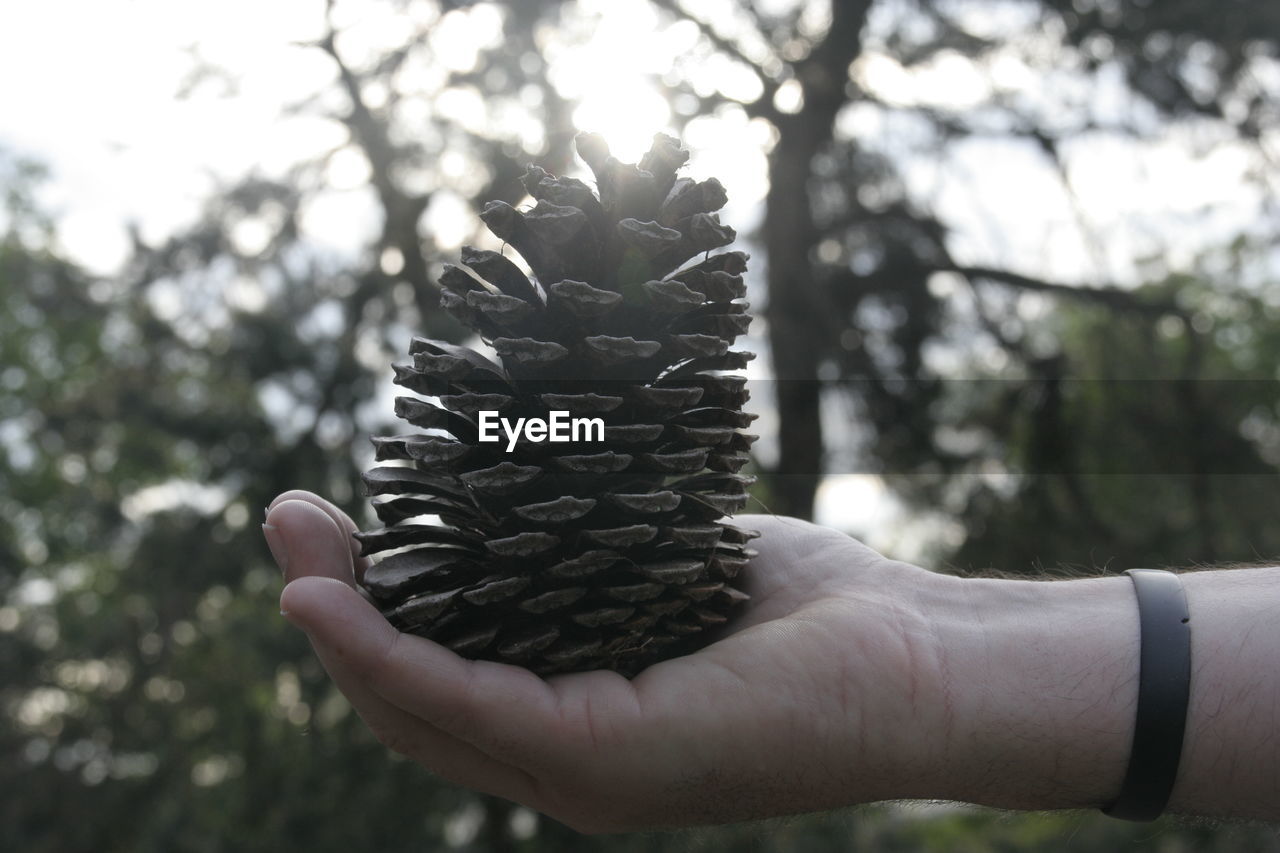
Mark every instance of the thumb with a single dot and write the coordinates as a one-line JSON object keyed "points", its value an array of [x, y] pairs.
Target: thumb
{"points": [[330, 608], [306, 541]]}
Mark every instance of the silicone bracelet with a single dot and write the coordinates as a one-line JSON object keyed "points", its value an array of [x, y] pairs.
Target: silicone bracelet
{"points": [[1164, 689]]}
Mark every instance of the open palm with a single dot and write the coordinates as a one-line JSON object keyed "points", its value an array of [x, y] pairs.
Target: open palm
{"points": [[803, 703]]}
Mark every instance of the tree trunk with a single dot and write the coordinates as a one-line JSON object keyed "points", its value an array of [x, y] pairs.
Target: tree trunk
{"points": [[795, 304], [495, 832], [789, 236]]}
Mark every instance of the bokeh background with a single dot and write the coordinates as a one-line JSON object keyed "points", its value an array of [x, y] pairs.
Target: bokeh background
{"points": [[1018, 284]]}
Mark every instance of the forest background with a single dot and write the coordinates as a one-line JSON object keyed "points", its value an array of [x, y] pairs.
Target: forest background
{"points": [[1016, 270]]}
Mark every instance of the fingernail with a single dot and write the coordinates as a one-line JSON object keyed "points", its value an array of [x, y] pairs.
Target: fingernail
{"points": [[278, 549], [284, 611]]}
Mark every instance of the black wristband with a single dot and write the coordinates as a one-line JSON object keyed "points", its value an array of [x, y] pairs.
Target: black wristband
{"points": [[1164, 689]]}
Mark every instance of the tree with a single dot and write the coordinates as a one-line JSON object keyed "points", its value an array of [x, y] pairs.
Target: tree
{"points": [[146, 681], [152, 697], [1147, 439], [848, 241]]}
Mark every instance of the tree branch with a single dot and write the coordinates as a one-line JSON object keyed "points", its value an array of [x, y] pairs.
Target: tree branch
{"points": [[1110, 296], [762, 106]]}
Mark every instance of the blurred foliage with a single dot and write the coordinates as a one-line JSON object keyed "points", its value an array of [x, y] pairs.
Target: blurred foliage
{"points": [[152, 698], [858, 250], [1147, 439]]}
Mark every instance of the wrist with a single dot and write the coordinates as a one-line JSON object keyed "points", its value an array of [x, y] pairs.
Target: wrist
{"points": [[1037, 690], [1231, 758]]}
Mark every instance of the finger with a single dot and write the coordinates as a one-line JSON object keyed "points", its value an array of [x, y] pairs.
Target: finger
{"points": [[401, 731], [310, 542], [506, 712], [340, 518]]}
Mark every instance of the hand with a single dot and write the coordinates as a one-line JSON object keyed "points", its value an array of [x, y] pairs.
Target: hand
{"points": [[815, 698]]}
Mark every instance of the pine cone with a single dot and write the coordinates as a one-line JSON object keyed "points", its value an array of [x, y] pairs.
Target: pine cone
{"points": [[605, 551]]}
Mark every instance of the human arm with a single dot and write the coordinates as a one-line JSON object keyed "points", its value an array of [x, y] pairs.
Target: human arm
{"points": [[1045, 680], [851, 678]]}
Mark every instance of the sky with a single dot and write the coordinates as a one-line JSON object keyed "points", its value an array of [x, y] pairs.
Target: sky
{"points": [[101, 108], [93, 91]]}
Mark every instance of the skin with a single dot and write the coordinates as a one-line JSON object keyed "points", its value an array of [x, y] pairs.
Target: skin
{"points": [[849, 678], [765, 721]]}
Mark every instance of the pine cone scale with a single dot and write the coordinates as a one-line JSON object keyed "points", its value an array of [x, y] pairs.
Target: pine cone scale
{"points": [[608, 549]]}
